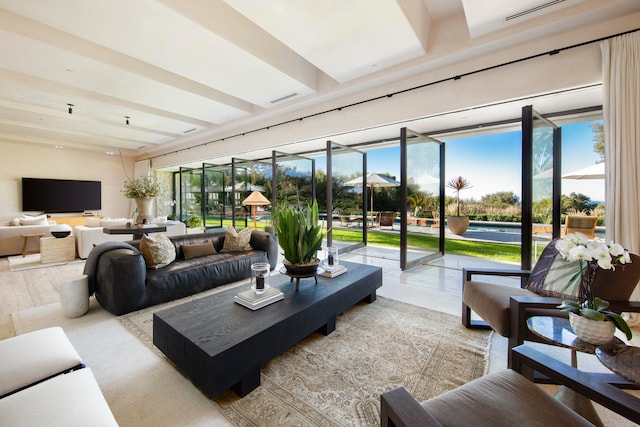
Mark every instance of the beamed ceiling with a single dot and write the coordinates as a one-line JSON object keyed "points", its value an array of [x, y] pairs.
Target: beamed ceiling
{"points": [[184, 71]]}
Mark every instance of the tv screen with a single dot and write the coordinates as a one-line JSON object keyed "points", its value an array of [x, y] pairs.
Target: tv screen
{"points": [[60, 195]]}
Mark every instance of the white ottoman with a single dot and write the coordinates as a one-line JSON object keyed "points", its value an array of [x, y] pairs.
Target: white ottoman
{"points": [[74, 296], [33, 357]]}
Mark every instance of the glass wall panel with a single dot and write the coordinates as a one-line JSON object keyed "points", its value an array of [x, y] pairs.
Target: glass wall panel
{"points": [[422, 195], [214, 195], [249, 176], [295, 179], [190, 200], [346, 201]]}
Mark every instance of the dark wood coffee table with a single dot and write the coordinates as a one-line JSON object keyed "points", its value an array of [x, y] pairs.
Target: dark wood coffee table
{"points": [[219, 344]]}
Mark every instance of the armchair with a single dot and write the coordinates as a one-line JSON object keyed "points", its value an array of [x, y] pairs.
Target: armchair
{"points": [[386, 219], [584, 224], [502, 398], [505, 309]]}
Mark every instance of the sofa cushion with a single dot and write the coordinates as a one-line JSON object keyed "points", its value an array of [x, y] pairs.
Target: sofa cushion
{"points": [[157, 250], [237, 241], [34, 220], [15, 222], [93, 222], [198, 250], [110, 222]]}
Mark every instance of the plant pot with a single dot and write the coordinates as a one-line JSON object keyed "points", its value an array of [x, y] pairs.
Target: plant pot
{"points": [[594, 332], [308, 269], [145, 214], [458, 224]]}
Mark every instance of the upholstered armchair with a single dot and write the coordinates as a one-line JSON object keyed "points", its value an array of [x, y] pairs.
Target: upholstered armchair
{"points": [[505, 309], [502, 398]]}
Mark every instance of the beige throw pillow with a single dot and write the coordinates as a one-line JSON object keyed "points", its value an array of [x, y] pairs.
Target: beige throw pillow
{"points": [[237, 241], [198, 250], [157, 250]]}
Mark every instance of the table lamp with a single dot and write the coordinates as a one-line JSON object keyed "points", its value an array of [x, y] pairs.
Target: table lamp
{"points": [[255, 199]]}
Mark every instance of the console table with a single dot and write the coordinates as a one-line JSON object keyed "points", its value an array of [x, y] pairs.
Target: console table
{"points": [[220, 344], [136, 230]]}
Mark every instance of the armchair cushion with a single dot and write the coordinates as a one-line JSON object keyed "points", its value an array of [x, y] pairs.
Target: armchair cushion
{"points": [[502, 398], [490, 301]]}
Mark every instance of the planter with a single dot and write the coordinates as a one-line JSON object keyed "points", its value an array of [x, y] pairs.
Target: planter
{"points": [[458, 224], [594, 332], [145, 214], [308, 269]]}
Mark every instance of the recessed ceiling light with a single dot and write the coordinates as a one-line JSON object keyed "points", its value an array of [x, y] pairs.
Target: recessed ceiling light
{"points": [[58, 146], [111, 153]]}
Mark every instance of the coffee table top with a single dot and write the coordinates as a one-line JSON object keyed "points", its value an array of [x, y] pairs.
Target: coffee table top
{"points": [[215, 323]]}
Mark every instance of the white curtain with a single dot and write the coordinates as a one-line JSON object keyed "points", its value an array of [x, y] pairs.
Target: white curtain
{"points": [[621, 83]]}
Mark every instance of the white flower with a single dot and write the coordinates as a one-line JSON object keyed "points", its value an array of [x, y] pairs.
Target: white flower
{"points": [[605, 264], [601, 254], [625, 258], [579, 253], [616, 249]]}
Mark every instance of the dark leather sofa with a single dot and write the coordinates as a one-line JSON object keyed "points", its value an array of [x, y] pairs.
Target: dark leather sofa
{"points": [[122, 283]]}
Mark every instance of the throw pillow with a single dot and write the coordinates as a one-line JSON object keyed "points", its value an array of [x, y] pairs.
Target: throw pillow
{"points": [[158, 251], [237, 241], [34, 220], [198, 250], [553, 276], [15, 222]]}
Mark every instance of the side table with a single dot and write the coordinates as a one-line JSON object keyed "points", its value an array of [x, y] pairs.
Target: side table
{"points": [[557, 331], [26, 238], [54, 249]]}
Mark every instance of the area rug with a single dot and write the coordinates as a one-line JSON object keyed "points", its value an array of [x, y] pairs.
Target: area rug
{"points": [[31, 261], [338, 379]]}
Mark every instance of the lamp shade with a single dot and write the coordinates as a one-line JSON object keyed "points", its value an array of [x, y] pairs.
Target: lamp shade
{"points": [[256, 199]]}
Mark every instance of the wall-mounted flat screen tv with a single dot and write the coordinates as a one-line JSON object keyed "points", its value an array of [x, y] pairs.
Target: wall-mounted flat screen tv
{"points": [[60, 195]]}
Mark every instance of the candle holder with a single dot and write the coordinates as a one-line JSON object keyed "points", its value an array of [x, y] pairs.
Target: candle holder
{"points": [[260, 273], [332, 261]]}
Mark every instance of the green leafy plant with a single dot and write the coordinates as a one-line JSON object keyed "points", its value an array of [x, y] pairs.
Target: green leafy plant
{"points": [[591, 255], [299, 233], [459, 183], [195, 221], [142, 188]]}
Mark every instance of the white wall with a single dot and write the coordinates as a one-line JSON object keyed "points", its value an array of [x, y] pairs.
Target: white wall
{"points": [[32, 161]]}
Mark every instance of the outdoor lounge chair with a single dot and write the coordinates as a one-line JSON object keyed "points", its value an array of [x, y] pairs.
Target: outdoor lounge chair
{"points": [[386, 219], [346, 220], [581, 224], [505, 309]]}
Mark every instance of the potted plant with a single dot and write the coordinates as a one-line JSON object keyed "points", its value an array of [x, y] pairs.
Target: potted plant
{"points": [[143, 190], [194, 224], [458, 224], [300, 237], [589, 317]]}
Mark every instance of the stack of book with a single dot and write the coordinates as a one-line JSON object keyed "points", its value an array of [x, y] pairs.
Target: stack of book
{"points": [[254, 301], [335, 271]]}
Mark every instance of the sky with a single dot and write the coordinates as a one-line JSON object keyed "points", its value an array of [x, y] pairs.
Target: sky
{"points": [[492, 162]]}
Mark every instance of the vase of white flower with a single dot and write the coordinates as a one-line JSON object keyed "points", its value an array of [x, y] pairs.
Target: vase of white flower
{"points": [[592, 255]]}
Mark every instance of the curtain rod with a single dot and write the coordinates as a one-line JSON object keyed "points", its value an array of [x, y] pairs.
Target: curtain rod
{"points": [[391, 94]]}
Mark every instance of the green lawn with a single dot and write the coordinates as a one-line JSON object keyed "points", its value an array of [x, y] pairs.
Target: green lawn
{"points": [[494, 251]]}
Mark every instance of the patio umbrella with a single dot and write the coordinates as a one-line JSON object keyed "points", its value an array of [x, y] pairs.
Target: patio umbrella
{"points": [[373, 180], [590, 172]]}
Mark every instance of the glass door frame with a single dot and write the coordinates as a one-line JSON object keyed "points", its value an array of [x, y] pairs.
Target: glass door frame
{"points": [[529, 116], [405, 264], [330, 207]]}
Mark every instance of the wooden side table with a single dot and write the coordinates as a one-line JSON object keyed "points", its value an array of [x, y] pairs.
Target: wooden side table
{"points": [[26, 238], [53, 249]]}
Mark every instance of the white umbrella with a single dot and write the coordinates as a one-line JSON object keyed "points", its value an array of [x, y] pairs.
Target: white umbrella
{"points": [[591, 172], [373, 180]]}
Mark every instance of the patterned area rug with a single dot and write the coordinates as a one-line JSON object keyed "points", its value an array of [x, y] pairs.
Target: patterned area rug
{"points": [[338, 379]]}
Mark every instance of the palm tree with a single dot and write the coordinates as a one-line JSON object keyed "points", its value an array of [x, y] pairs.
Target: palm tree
{"points": [[459, 184]]}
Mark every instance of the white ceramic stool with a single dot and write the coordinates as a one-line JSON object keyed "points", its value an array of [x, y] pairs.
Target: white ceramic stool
{"points": [[74, 296]]}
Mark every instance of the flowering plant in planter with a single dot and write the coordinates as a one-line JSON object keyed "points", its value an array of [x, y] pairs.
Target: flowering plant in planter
{"points": [[591, 255]]}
